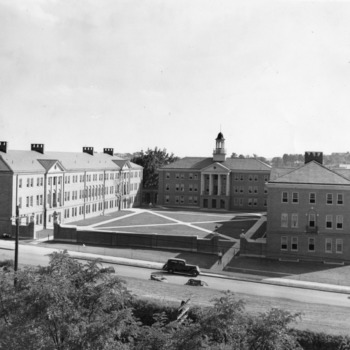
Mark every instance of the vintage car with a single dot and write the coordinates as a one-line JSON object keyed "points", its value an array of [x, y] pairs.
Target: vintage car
{"points": [[180, 266], [198, 283]]}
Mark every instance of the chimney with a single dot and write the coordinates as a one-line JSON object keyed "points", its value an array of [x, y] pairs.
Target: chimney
{"points": [[38, 147], [88, 150], [108, 151], [316, 156], [3, 146]]}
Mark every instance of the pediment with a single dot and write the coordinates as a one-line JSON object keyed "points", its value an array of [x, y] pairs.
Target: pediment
{"points": [[51, 165], [215, 168]]}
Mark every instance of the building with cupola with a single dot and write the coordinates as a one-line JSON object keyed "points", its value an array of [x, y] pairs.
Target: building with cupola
{"points": [[215, 183]]}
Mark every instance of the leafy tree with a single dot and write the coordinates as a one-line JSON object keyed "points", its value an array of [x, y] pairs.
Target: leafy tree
{"points": [[151, 160], [269, 331], [66, 305]]}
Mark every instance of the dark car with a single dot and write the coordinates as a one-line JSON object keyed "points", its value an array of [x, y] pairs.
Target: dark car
{"points": [[193, 282], [180, 266]]}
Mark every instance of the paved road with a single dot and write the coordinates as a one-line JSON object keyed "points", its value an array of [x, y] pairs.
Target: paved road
{"points": [[34, 255]]}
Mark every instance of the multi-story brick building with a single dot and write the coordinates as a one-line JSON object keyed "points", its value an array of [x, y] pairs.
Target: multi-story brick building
{"points": [[214, 183], [308, 212], [74, 185]]}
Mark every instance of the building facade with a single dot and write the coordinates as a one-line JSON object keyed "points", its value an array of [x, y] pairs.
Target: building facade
{"points": [[217, 183], [74, 185], [308, 213]]}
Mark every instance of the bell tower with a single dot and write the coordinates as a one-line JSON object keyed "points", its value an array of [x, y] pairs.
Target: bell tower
{"points": [[219, 153]]}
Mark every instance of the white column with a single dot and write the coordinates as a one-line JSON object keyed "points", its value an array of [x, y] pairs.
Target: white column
{"points": [[202, 184], [210, 184], [219, 184], [227, 184]]}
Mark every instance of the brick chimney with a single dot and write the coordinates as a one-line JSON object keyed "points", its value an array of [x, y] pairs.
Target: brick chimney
{"points": [[108, 151], [3, 146], [88, 150], [316, 156], [38, 147]]}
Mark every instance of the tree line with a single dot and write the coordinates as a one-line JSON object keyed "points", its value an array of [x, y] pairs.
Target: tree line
{"points": [[69, 305]]}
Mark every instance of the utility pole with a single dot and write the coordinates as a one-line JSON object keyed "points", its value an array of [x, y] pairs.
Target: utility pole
{"points": [[16, 244]]}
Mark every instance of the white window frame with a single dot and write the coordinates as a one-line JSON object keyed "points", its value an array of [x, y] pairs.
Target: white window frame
{"points": [[284, 197], [295, 197], [339, 220], [284, 219], [328, 241], [294, 241], [284, 242], [329, 218], [294, 220], [312, 198], [329, 198], [339, 242], [308, 244], [340, 202]]}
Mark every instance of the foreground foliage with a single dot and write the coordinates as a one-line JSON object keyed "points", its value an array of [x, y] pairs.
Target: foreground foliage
{"points": [[73, 306]]}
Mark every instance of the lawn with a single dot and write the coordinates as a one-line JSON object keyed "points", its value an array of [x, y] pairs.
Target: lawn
{"points": [[97, 219]]}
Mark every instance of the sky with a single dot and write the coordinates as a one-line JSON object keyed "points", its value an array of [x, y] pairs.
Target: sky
{"points": [[273, 76]]}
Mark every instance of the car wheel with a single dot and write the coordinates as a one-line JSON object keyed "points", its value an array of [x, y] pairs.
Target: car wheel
{"points": [[171, 271], [195, 273]]}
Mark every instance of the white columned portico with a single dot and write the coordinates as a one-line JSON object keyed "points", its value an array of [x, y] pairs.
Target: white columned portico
{"points": [[219, 185]]}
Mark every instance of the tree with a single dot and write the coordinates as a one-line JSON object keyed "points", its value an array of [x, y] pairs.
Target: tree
{"points": [[66, 305], [151, 160]]}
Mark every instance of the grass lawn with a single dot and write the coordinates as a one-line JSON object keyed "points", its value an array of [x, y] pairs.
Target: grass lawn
{"points": [[197, 217], [173, 229], [98, 219], [138, 219]]}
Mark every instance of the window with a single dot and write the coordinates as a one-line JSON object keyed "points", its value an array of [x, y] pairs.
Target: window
{"points": [[329, 221], [20, 183], [311, 244], [328, 245], [38, 181], [167, 187], [340, 199], [312, 220], [255, 201], [284, 243], [195, 188], [294, 244], [31, 201], [182, 187], [182, 199], [182, 175], [255, 177], [241, 177], [20, 202], [255, 189], [250, 177], [176, 199], [236, 177], [190, 176], [28, 182], [265, 202], [235, 188], [266, 178], [195, 200], [250, 189], [37, 200], [284, 197], [196, 176], [31, 182], [339, 246], [250, 201], [312, 198], [294, 220], [329, 198], [295, 197], [339, 222], [284, 220], [177, 186], [190, 199], [190, 187], [167, 175], [177, 175]]}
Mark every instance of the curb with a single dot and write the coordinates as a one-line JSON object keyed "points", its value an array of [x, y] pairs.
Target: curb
{"points": [[273, 281]]}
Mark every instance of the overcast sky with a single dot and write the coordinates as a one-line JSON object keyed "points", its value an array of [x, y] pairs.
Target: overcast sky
{"points": [[135, 74]]}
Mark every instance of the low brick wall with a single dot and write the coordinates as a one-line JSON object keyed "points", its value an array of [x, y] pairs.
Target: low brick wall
{"points": [[26, 231], [136, 240], [254, 247]]}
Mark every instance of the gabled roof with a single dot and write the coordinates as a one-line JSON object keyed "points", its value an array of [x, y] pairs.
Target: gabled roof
{"points": [[48, 163], [199, 163], [312, 173], [216, 167], [32, 161]]}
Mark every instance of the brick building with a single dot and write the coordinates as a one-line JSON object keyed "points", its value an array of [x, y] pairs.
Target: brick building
{"points": [[75, 185], [308, 212], [214, 183]]}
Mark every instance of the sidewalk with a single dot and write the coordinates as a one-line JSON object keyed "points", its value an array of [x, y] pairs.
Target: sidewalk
{"points": [[9, 245]]}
